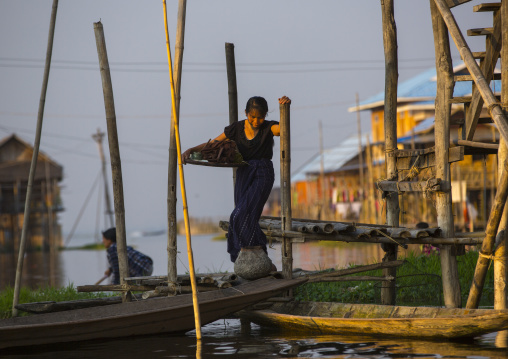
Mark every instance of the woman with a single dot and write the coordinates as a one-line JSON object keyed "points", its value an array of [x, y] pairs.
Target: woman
{"points": [[254, 139]]}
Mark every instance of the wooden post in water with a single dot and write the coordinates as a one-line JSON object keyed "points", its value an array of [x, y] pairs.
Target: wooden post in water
{"points": [[500, 289], [173, 161], [33, 164], [500, 265], [195, 302], [285, 189], [114, 152], [390, 124], [488, 243], [232, 90], [445, 85]]}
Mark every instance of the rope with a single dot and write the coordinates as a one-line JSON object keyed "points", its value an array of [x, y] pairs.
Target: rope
{"points": [[491, 257], [387, 236]]}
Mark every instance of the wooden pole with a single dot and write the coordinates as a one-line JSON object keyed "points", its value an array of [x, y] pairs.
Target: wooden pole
{"points": [[197, 318], [370, 187], [98, 137], [490, 100], [15, 225], [35, 155], [360, 152], [488, 243], [445, 85], [390, 124], [114, 153], [321, 203], [173, 161], [500, 289], [232, 90], [285, 185], [500, 265]]}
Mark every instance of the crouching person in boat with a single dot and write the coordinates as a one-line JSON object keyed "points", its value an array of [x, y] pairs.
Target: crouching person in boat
{"points": [[246, 242], [140, 264]]}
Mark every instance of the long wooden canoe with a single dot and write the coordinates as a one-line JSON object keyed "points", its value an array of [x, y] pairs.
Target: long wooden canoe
{"points": [[380, 320], [151, 316]]}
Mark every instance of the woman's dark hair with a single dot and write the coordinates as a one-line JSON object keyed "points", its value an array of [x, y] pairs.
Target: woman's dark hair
{"points": [[110, 234], [257, 103]]}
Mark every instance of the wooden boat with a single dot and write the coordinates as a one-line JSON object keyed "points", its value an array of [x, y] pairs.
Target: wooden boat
{"points": [[151, 316], [380, 320]]}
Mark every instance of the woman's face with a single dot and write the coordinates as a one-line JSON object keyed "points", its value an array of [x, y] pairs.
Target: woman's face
{"points": [[255, 118]]}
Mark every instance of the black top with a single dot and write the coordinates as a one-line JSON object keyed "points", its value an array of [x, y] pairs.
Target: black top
{"points": [[261, 146]]}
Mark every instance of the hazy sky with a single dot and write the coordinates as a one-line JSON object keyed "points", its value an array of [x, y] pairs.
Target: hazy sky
{"points": [[319, 53]]}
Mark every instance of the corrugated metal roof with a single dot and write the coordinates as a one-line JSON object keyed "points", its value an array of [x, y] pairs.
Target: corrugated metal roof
{"points": [[422, 88], [333, 159]]}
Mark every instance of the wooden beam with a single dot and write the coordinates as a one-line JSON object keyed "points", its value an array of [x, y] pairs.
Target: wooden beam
{"points": [[357, 269], [232, 90], [453, 3], [173, 160], [114, 150], [488, 244], [445, 86], [352, 279], [487, 7], [490, 146], [496, 76], [285, 185], [429, 159], [113, 288], [492, 51], [501, 265], [390, 124], [495, 110], [433, 184]]}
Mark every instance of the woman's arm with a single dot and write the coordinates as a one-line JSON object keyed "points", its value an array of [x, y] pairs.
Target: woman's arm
{"points": [[186, 154], [276, 128]]}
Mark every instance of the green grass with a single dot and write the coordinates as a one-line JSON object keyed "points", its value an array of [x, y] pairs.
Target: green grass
{"points": [[41, 294], [418, 283]]}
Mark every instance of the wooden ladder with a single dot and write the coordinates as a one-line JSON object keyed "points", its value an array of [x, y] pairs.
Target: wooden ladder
{"points": [[473, 104]]}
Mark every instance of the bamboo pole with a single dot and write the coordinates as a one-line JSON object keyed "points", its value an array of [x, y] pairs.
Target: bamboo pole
{"points": [[390, 124], [500, 265], [182, 184], [483, 87], [285, 185], [500, 289], [488, 243], [35, 155], [173, 162], [445, 85], [232, 90], [114, 153]]}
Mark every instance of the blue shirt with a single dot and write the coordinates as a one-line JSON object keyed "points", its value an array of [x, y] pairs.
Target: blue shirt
{"points": [[139, 263]]}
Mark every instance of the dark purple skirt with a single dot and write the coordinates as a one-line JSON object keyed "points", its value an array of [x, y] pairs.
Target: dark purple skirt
{"points": [[253, 186]]}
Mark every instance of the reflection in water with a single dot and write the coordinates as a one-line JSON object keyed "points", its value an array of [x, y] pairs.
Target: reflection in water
{"points": [[82, 267], [40, 269], [225, 337]]}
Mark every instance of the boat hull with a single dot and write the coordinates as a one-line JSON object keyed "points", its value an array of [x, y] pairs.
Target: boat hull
{"points": [[380, 320], [153, 316]]}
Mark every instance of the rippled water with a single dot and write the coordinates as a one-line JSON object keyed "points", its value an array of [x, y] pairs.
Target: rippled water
{"points": [[228, 337]]}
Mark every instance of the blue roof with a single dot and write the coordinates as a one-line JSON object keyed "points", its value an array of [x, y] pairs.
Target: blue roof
{"points": [[423, 86], [333, 159]]}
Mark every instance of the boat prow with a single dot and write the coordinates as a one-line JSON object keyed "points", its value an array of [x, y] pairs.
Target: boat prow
{"points": [[380, 320], [152, 316]]}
